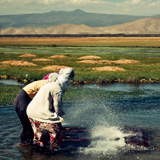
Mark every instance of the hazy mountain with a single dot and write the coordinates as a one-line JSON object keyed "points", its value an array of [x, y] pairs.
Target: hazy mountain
{"points": [[60, 29], [155, 16], [44, 20], [142, 26]]}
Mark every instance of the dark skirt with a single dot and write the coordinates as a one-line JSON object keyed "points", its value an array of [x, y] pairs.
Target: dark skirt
{"points": [[20, 104]]}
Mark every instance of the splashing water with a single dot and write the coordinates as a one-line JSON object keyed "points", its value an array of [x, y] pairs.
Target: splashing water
{"points": [[107, 120], [105, 140], [106, 135]]}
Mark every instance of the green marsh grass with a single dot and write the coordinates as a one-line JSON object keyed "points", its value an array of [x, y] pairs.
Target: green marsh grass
{"points": [[148, 67], [73, 94], [8, 94], [147, 70]]}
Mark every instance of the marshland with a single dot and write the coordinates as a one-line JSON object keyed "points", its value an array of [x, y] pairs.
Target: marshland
{"points": [[115, 92]]}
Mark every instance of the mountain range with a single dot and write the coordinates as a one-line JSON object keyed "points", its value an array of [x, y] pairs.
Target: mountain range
{"points": [[141, 26], [78, 22]]}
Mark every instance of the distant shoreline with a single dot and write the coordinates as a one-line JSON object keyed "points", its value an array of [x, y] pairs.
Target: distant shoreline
{"points": [[88, 40], [80, 35]]}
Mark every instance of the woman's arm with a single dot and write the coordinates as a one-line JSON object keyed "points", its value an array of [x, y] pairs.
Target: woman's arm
{"points": [[57, 103]]}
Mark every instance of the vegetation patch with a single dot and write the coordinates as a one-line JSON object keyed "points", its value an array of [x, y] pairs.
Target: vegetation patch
{"points": [[58, 56], [41, 59], [18, 63], [90, 57], [121, 61], [124, 61], [28, 55], [88, 61], [108, 68], [53, 68]]}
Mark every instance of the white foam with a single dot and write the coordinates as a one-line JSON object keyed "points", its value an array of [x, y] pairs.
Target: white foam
{"points": [[106, 135], [105, 140]]}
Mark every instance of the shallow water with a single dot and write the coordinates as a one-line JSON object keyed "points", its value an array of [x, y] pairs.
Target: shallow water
{"points": [[10, 82], [108, 112]]}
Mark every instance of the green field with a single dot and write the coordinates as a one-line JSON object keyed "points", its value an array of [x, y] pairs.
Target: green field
{"points": [[146, 70]]}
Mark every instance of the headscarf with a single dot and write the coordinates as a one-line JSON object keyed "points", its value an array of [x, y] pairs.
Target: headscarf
{"points": [[46, 77], [65, 77], [67, 71], [52, 77]]}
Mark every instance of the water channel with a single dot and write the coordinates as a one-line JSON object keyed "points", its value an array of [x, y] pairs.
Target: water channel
{"points": [[108, 111]]}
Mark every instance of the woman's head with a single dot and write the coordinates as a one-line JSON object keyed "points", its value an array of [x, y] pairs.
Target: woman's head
{"points": [[52, 77], [67, 71], [65, 77]]}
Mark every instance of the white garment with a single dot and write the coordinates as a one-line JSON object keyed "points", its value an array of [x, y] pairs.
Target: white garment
{"points": [[41, 108], [52, 77], [64, 78], [64, 81], [67, 72]]}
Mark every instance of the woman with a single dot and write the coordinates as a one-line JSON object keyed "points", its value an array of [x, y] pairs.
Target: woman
{"points": [[45, 112], [21, 102]]}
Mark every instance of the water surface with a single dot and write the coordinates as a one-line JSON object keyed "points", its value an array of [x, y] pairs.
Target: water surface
{"points": [[107, 111]]}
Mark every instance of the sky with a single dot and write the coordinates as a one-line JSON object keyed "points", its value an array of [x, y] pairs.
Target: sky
{"points": [[125, 7]]}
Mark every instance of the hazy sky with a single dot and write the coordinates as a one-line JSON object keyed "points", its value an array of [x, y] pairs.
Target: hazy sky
{"points": [[129, 7]]}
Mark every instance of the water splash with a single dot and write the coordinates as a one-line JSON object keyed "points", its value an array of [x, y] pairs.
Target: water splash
{"points": [[106, 127], [106, 135], [105, 140]]}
